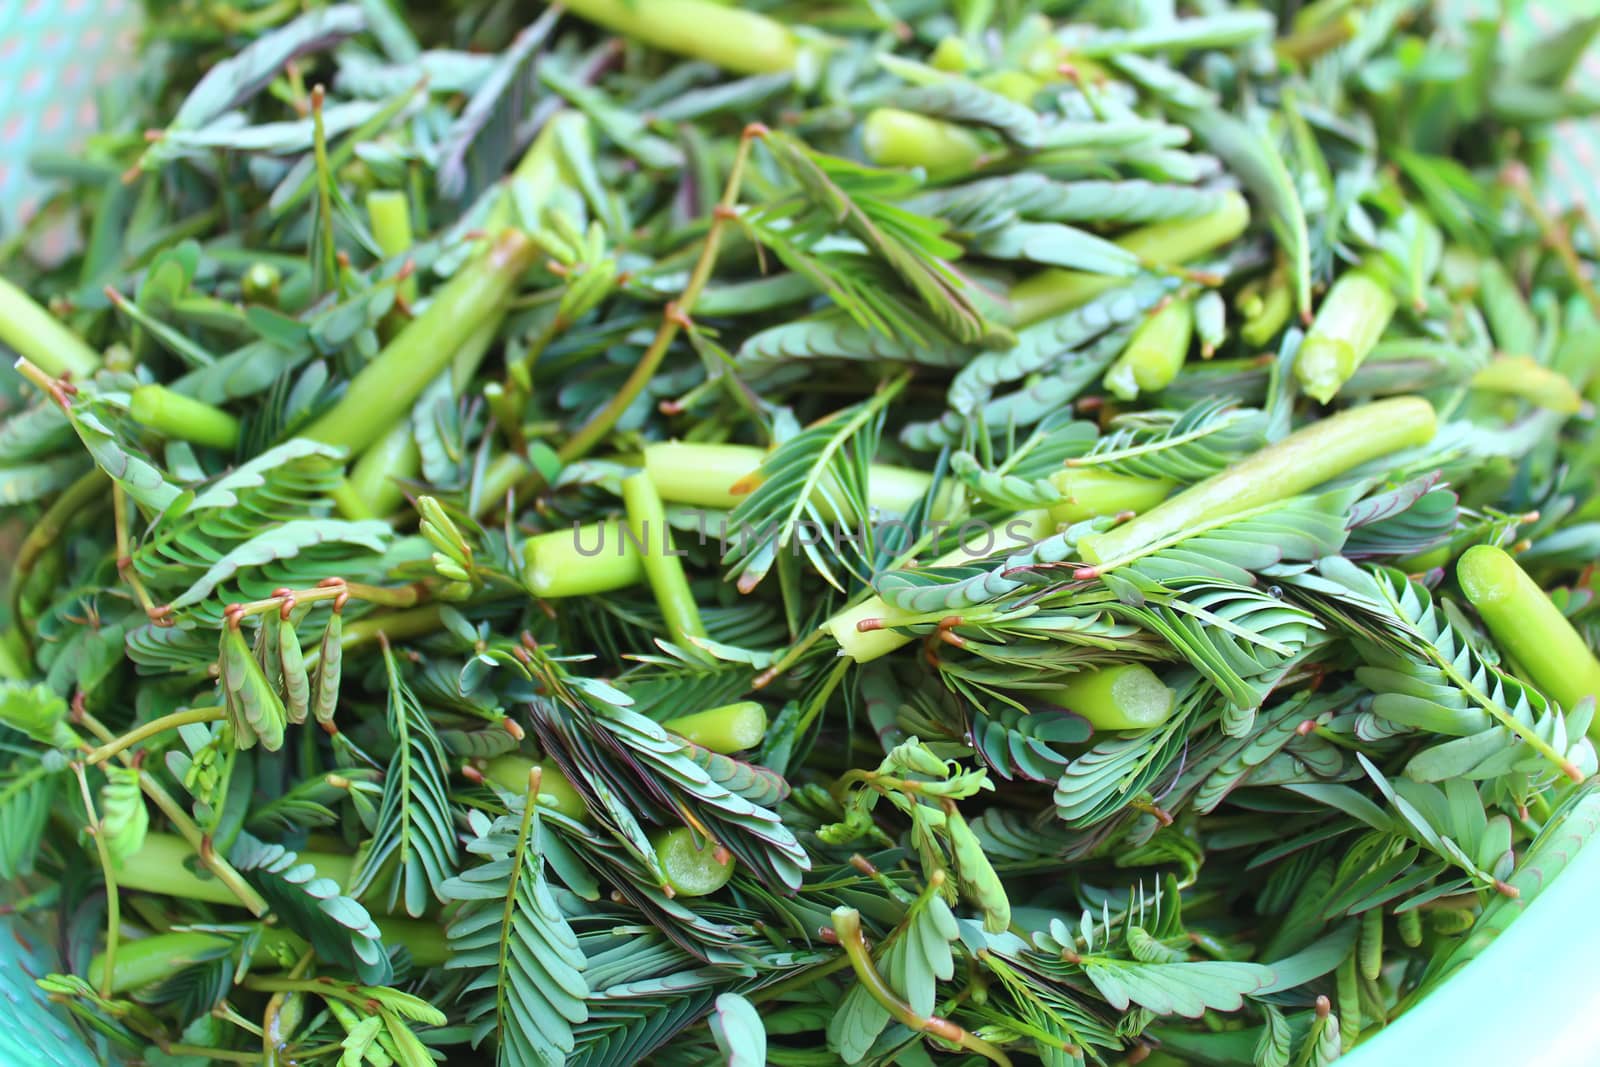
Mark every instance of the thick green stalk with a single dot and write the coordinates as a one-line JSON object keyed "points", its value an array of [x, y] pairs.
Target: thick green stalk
{"points": [[386, 388], [730, 728], [510, 772], [736, 40], [1306, 458], [183, 418], [149, 960], [582, 561], [37, 336], [1129, 696], [1155, 352], [501, 477], [1525, 377], [663, 565], [878, 639], [721, 475], [1266, 307], [160, 866], [373, 490], [894, 138], [693, 867], [374, 482], [1055, 290], [1092, 492], [1526, 623], [389, 212], [1352, 317]]}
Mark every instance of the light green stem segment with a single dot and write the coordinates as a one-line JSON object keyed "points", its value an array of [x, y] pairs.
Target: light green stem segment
{"points": [[1526, 623], [375, 479], [510, 772], [1352, 317], [1129, 696], [1093, 492], [693, 868], [389, 211], [1155, 352], [386, 388], [1055, 290], [663, 567], [730, 728], [1267, 312], [151, 959], [720, 476], [373, 490], [736, 40], [582, 561], [160, 867], [1525, 377], [1306, 458], [37, 336], [864, 645], [182, 418], [894, 138]]}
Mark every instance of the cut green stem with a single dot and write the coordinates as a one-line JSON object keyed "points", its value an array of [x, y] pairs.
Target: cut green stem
{"points": [[374, 483], [510, 772], [879, 639], [37, 336], [1352, 317], [894, 138], [152, 959], [722, 475], [1286, 468], [1525, 377], [693, 867], [182, 418], [1055, 290], [384, 390], [1155, 352], [1092, 492], [161, 865], [740, 41], [582, 561], [663, 565], [1526, 623], [730, 728], [389, 212], [1129, 696]]}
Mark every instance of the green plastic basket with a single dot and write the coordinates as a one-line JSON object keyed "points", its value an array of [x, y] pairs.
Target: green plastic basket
{"points": [[1530, 997]]}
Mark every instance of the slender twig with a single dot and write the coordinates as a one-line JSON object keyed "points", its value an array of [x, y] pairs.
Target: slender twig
{"points": [[847, 924], [674, 317], [153, 727], [319, 144], [198, 840], [46, 533], [271, 1039], [1555, 237], [119, 518], [221, 1055], [113, 901]]}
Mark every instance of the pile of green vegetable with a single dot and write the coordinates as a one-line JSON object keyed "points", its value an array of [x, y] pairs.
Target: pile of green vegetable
{"points": [[887, 532]]}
